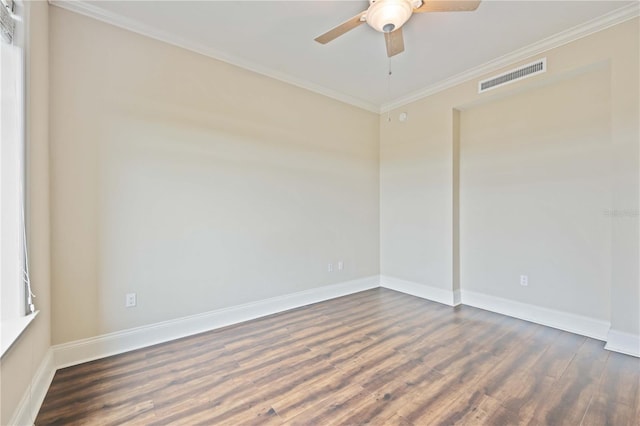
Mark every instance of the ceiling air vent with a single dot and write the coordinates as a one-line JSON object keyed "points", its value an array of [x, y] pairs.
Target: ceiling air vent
{"points": [[524, 71]]}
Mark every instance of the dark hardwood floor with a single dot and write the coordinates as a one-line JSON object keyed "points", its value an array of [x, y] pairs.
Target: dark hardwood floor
{"points": [[377, 357]]}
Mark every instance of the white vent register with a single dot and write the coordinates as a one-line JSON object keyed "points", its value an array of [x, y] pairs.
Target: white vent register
{"points": [[511, 76]]}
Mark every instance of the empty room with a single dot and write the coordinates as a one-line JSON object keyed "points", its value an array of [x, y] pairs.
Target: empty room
{"points": [[386, 212]]}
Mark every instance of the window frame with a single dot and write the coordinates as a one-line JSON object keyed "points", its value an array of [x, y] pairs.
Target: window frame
{"points": [[16, 322]]}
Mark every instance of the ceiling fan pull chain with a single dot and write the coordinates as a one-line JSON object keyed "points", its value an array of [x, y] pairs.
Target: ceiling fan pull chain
{"points": [[389, 90]]}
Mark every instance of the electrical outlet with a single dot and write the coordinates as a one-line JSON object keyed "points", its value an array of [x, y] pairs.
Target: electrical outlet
{"points": [[340, 265], [330, 267], [130, 300], [524, 280]]}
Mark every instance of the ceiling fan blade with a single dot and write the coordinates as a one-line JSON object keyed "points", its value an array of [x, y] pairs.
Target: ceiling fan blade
{"points": [[395, 42], [336, 32], [447, 6]]}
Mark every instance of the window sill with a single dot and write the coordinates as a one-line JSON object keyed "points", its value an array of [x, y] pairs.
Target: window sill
{"points": [[12, 329]]}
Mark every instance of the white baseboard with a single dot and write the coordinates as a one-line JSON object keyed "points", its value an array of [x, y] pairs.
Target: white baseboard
{"points": [[84, 350], [573, 323], [434, 294], [457, 297], [76, 352], [27, 409], [626, 343]]}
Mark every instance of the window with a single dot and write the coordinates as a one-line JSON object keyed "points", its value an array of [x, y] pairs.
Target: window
{"points": [[16, 307]]}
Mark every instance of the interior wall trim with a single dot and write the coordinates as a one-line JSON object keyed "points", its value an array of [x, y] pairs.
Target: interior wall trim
{"points": [[435, 294], [615, 17], [79, 351], [626, 343], [30, 403], [603, 22], [457, 298], [86, 8], [573, 323]]}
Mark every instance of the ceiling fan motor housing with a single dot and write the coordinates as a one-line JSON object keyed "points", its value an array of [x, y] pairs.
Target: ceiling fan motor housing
{"points": [[389, 15]]}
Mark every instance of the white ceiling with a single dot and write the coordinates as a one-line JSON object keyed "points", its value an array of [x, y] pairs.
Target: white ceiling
{"points": [[276, 38]]}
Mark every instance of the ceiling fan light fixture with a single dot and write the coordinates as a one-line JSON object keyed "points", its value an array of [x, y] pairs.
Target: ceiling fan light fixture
{"points": [[389, 15]]}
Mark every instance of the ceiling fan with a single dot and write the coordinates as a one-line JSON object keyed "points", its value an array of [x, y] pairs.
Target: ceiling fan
{"points": [[388, 17]]}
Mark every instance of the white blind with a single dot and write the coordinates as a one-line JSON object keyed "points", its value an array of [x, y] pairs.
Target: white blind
{"points": [[7, 21], [15, 291]]}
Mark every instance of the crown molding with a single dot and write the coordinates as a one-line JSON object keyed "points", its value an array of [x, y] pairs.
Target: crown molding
{"points": [[603, 22], [85, 8], [610, 19]]}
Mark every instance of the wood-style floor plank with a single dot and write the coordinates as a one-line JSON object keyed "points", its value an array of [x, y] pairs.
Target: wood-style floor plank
{"points": [[377, 357]]}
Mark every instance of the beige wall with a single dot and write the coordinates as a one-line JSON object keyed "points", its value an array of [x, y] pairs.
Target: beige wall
{"points": [[415, 195], [625, 136], [593, 269], [535, 181], [199, 185], [194, 183], [21, 361]]}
